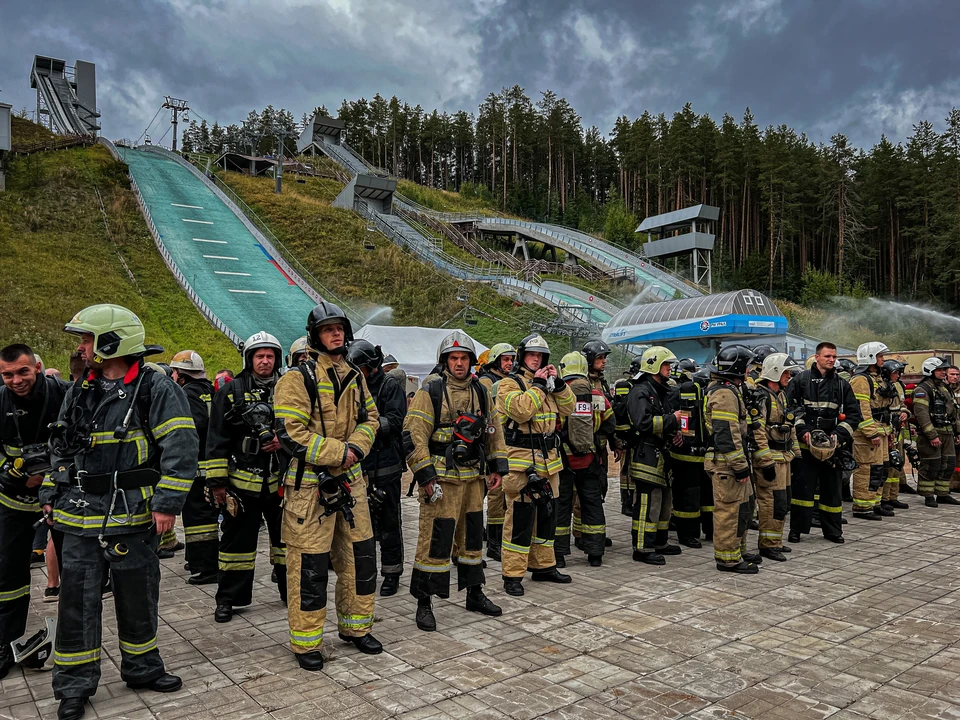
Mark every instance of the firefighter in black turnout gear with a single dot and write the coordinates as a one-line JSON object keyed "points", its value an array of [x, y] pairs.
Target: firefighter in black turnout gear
{"points": [[652, 429], [384, 465], [200, 527], [822, 401], [244, 461], [621, 389], [124, 456], [692, 486], [29, 402]]}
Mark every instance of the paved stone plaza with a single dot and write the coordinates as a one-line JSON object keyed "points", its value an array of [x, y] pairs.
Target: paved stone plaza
{"points": [[869, 629]]}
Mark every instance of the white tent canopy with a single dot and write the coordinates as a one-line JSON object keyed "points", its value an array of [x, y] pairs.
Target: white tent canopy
{"points": [[415, 348]]}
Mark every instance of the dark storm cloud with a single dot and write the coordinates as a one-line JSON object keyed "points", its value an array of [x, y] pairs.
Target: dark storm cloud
{"points": [[822, 66]]}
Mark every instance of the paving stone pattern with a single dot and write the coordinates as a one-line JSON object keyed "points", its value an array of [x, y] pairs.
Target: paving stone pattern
{"points": [[868, 629]]}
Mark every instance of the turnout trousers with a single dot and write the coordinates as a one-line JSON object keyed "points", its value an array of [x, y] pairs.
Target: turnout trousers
{"points": [[733, 506], [313, 544], [496, 510], [579, 531], [936, 464], [528, 530], [387, 524], [628, 493], [689, 508], [651, 516], [585, 485], [870, 475], [16, 545], [891, 486], [238, 548], [773, 504], [809, 476], [136, 592], [455, 521], [200, 531]]}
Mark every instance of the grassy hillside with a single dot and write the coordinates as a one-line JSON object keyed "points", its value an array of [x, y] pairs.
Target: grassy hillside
{"points": [[445, 201], [60, 253], [25, 133], [329, 241]]}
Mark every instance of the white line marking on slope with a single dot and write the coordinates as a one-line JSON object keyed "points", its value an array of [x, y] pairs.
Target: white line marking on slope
{"points": [[251, 292], [199, 222], [192, 207], [227, 272], [218, 242], [220, 257]]}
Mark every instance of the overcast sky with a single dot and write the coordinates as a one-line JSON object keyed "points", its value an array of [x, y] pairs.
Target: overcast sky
{"points": [[861, 67]]}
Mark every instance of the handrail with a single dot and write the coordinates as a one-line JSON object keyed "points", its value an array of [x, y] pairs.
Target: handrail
{"points": [[168, 258]]}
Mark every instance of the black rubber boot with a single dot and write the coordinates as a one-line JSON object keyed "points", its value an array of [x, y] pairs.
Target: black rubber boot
{"points": [[478, 602], [793, 537], [742, 568], [389, 585], [883, 511], [425, 619], [561, 561], [773, 554], [947, 500], [163, 684], [223, 613], [869, 515], [72, 708], [367, 644], [690, 542], [595, 560], [930, 502], [898, 505], [513, 586], [669, 550], [552, 575], [650, 558], [312, 661]]}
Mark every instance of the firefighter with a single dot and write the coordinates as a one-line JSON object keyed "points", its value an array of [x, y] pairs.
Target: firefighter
{"points": [[939, 425], [728, 462], [29, 402], [200, 526], [499, 364], [772, 426], [327, 420], [454, 443], [244, 459], [592, 418], [530, 402], [900, 416], [596, 353], [825, 402], [621, 389], [692, 488], [124, 456], [755, 369], [652, 429], [299, 351], [383, 466], [953, 381], [872, 439]]}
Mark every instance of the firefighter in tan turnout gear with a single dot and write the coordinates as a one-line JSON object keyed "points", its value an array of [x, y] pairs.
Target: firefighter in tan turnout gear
{"points": [[939, 425], [453, 444], [872, 439], [776, 447], [530, 401], [499, 364], [327, 420], [728, 463]]}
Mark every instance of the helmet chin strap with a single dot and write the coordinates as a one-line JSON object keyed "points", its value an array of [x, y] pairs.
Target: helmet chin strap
{"points": [[342, 350]]}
